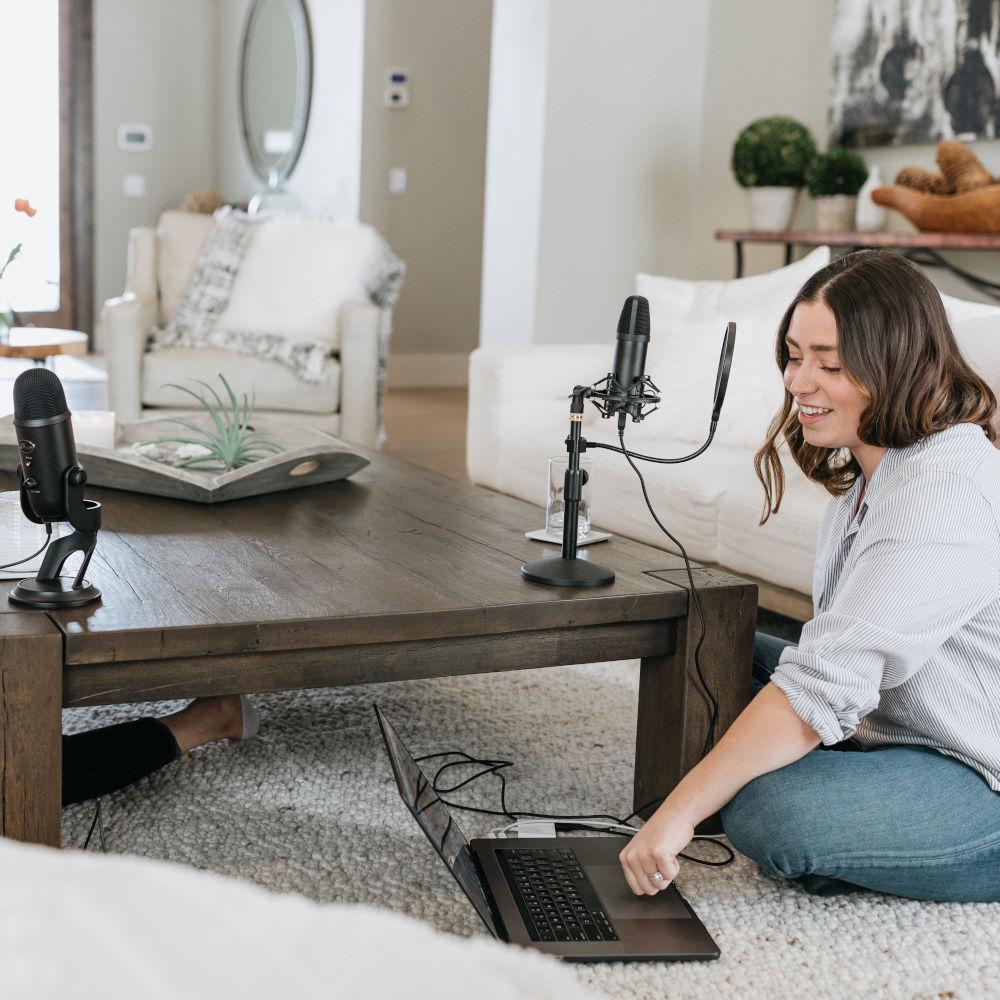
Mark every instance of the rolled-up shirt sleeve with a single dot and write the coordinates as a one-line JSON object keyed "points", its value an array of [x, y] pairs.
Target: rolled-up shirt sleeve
{"points": [[926, 560]]}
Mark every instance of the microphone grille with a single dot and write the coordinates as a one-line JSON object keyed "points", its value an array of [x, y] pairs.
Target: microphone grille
{"points": [[634, 320], [38, 393]]}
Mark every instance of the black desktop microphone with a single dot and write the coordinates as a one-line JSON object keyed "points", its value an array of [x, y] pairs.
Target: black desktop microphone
{"points": [[44, 440], [52, 484]]}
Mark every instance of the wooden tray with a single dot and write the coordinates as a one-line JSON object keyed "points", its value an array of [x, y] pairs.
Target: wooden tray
{"points": [[312, 457]]}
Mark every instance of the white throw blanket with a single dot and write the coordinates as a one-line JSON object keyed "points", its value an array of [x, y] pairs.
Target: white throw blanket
{"points": [[109, 926]]}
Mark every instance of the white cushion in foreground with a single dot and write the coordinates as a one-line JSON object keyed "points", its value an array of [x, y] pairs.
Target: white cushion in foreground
{"points": [[90, 925]]}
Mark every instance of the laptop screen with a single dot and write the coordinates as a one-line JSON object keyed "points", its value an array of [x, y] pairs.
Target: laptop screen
{"points": [[436, 821]]}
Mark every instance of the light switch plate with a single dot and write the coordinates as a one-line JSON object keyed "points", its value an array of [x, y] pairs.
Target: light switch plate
{"points": [[134, 185]]}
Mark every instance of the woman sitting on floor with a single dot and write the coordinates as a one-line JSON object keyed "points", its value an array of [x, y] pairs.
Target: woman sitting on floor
{"points": [[902, 660]]}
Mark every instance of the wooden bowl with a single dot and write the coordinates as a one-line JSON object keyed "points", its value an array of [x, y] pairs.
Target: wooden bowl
{"points": [[975, 211]]}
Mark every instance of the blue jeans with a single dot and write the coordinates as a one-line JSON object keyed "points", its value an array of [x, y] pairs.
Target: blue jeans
{"points": [[899, 819]]}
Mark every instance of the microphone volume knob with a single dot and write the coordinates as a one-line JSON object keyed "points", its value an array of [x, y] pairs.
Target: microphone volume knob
{"points": [[77, 477]]}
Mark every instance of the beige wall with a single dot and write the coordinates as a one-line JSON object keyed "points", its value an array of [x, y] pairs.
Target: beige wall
{"points": [[440, 139], [152, 65]]}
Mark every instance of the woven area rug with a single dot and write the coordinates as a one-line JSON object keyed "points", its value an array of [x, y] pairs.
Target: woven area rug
{"points": [[310, 806]]}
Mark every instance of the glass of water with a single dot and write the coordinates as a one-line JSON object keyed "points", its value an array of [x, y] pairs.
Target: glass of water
{"points": [[555, 503]]}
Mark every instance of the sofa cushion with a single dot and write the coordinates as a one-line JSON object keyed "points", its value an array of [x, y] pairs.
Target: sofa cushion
{"points": [[979, 341], [297, 273], [688, 319], [180, 235], [783, 550], [273, 385]]}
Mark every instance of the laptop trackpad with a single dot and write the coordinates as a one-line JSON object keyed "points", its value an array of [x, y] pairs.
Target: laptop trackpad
{"points": [[621, 902]]}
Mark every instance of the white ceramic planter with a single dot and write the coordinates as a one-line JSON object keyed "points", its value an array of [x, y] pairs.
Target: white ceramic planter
{"points": [[869, 217], [835, 213], [772, 207]]}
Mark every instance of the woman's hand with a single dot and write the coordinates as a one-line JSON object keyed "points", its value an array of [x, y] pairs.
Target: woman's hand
{"points": [[654, 849]]}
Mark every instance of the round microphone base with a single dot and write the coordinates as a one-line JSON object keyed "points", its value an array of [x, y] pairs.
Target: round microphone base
{"points": [[567, 573], [52, 595]]}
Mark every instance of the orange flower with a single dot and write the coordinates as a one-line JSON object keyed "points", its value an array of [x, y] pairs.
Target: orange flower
{"points": [[23, 205]]}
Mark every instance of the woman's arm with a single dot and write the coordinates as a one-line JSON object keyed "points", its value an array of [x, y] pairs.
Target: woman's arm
{"points": [[766, 735]]}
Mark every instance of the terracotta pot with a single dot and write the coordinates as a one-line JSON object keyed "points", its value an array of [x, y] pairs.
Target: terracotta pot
{"points": [[772, 208], [835, 213]]}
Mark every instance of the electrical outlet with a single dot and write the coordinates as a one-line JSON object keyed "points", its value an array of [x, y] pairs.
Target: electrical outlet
{"points": [[397, 180]]}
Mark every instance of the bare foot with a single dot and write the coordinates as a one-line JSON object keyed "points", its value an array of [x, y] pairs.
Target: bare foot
{"points": [[206, 720]]}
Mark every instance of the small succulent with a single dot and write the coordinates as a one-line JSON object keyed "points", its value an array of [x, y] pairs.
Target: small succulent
{"points": [[233, 444], [773, 152], [837, 171]]}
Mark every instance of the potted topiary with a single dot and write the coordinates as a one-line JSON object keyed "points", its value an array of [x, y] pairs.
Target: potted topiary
{"points": [[770, 157], [835, 178]]}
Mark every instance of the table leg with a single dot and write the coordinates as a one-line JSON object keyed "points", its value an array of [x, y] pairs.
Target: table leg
{"points": [[673, 708], [739, 258], [31, 667], [788, 254]]}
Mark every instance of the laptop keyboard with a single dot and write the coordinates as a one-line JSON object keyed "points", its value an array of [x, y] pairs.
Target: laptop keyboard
{"points": [[554, 896]]}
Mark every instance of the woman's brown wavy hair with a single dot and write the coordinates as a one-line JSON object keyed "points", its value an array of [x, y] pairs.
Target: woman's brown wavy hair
{"points": [[896, 345]]}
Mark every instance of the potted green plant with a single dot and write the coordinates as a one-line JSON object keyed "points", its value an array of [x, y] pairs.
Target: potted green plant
{"points": [[770, 157], [835, 178]]}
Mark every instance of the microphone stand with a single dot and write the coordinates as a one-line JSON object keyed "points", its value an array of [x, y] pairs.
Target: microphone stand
{"points": [[567, 570], [49, 590]]}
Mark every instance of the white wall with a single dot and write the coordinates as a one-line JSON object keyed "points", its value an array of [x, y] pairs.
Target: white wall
{"points": [[619, 164], [152, 65], [514, 160]]}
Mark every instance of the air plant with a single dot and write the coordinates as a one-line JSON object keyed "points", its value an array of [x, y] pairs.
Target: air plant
{"points": [[233, 444]]}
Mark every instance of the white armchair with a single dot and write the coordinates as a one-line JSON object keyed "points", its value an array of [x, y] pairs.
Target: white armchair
{"points": [[161, 262]]}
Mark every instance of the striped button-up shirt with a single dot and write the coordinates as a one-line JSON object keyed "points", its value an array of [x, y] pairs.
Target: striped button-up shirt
{"points": [[905, 644]]}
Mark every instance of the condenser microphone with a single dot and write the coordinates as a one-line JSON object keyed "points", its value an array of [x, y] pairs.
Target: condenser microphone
{"points": [[44, 440], [627, 390], [632, 342], [52, 484]]}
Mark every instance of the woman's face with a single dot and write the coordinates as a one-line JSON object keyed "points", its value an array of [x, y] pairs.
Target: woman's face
{"points": [[815, 378]]}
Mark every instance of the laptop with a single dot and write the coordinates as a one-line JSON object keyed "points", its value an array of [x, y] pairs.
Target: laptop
{"points": [[564, 896]]}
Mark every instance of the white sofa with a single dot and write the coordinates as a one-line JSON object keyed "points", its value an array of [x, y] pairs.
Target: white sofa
{"points": [[300, 278], [518, 417]]}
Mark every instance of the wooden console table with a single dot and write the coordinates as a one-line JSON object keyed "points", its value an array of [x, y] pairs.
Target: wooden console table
{"points": [[921, 248]]}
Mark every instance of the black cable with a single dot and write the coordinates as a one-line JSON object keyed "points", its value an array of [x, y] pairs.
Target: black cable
{"points": [[497, 766], [48, 538], [652, 458], [568, 821], [98, 821], [710, 736]]}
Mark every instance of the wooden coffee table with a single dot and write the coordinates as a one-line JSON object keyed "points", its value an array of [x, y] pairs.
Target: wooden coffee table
{"points": [[395, 574]]}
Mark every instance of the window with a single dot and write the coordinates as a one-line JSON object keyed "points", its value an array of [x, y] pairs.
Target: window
{"points": [[45, 121]]}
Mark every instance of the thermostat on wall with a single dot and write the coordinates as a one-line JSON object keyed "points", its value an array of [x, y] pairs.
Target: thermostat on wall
{"points": [[135, 138], [397, 87]]}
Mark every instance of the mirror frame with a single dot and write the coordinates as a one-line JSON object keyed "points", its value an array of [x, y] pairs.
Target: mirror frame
{"points": [[275, 176]]}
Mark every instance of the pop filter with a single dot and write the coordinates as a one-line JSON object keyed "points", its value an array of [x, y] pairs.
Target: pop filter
{"points": [[725, 364]]}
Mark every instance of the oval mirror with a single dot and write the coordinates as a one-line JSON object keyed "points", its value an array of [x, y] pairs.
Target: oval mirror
{"points": [[275, 86]]}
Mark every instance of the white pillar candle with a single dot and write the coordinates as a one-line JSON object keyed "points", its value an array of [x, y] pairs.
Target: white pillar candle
{"points": [[94, 427]]}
